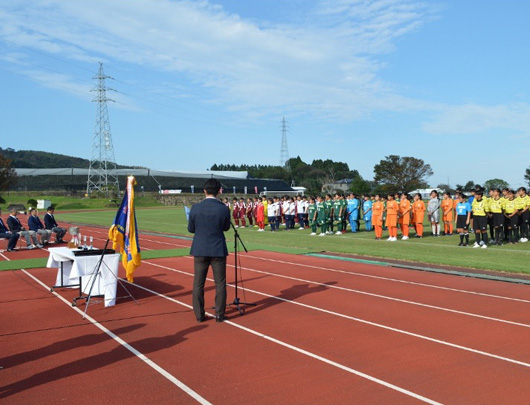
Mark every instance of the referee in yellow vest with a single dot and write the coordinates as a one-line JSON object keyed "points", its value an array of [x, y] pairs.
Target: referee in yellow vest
{"points": [[480, 221]]}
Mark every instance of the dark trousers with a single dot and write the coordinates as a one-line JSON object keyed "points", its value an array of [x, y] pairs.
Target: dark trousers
{"points": [[12, 237], [301, 220], [201, 265], [59, 231]]}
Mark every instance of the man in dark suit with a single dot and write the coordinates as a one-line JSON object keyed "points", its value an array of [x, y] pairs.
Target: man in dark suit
{"points": [[35, 225], [51, 224], [7, 234], [208, 220], [15, 226]]}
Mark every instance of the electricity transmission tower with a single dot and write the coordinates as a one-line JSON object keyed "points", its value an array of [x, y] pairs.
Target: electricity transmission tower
{"points": [[102, 176], [284, 152]]}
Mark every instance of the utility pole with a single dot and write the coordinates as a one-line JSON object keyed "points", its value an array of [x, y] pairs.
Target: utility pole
{"points": [[284, 152], [102, 175]]}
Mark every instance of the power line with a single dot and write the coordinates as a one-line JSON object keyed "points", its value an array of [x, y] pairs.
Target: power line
{"points": [[102, 175], [284, 151]]}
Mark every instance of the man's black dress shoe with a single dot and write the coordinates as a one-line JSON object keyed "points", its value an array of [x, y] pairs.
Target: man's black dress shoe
{"points": [[220, 318], [201, 319]]}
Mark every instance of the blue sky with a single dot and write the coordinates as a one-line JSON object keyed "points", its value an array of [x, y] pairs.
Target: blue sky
{"points": [[203, 82]]}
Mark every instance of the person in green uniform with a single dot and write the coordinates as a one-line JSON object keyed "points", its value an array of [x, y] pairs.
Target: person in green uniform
{"points": [[312, 215], [322, 216], [329, 207], [344, 203], [337, 213]]}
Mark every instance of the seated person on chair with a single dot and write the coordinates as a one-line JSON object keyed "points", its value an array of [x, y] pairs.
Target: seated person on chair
{"points": [[35, 224], [7, 234], [15, 226], [51, 224]]}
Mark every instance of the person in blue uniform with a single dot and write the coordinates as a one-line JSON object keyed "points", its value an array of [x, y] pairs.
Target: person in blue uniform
{"points": [[353, 211], [367, 212], [463, 217]]}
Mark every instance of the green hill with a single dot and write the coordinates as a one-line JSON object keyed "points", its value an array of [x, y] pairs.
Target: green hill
{"points": [[36, 159]]}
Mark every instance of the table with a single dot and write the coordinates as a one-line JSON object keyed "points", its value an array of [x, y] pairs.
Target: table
{"points": [[78, 271]]}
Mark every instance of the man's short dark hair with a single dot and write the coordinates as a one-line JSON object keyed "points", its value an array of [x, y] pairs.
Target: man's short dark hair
{"points": [[212, 187]]}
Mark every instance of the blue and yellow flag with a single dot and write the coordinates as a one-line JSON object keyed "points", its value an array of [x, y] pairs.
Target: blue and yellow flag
{"points": [[124, 234]]}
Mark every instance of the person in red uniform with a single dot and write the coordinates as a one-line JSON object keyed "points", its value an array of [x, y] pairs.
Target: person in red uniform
{"points": [[235, 212], [243, 212], [260, 216], [250, 212]]}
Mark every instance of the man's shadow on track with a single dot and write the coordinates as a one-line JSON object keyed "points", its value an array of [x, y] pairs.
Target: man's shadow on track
{"points": [[91, 363], [292, 293]]}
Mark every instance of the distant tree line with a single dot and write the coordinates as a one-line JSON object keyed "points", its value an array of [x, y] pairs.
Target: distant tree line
{"points": [[297, 172], [392, 174]]}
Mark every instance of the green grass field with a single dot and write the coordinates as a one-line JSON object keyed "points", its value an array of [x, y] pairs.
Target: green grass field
{"points": [[442, 250]]}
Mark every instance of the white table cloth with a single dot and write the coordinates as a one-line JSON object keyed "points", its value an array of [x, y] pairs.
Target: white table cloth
{"points": [[75, 267]]}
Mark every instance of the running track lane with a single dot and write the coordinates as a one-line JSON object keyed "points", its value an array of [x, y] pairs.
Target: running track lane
{"points": [[324, 321], [422, 354], [49, 354], [252, 369]]}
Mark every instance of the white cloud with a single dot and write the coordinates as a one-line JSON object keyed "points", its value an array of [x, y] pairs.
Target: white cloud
{"points": [[328, 68], [475, 119]]}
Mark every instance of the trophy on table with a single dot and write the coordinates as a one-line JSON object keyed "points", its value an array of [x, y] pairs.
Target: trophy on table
{"points": [[76, 237]]}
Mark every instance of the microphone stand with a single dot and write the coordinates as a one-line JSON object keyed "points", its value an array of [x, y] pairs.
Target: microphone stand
{"points": [[237, 302]]}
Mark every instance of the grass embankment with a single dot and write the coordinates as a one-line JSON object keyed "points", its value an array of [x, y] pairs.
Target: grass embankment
{"points": [[73, 203]]}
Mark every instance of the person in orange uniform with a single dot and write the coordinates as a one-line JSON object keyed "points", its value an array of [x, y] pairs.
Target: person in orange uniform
{"points": [[377, 216], [447, 213], [456, 201], [418, 207], [392, 209], [404, 215]]}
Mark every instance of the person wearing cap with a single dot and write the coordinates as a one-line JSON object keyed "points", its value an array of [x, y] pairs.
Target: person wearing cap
{"points": [[51, 224], [35, 224], [15, 226], [7, 234]]}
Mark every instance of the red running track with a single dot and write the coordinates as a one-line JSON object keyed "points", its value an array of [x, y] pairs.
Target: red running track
{"points": [[323, 331]]}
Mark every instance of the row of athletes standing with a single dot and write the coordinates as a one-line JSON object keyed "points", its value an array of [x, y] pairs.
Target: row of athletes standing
{"points": [[276, 211], [262, 211]]}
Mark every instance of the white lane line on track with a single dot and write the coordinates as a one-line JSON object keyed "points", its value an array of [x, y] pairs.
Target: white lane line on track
{"points": [[455, 311], [404, 332], [391, 279], [151, 240], [300, 350], [138, 354]]}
